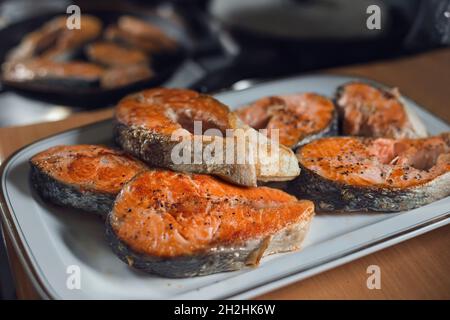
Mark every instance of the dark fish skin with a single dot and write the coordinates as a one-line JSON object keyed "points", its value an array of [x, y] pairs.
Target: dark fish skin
{"points": [[330, 195], [69, 195], [219, 259], [155, 150], [152, 148], [397, 120], [298, 117], [43, 72], [144, 128]]}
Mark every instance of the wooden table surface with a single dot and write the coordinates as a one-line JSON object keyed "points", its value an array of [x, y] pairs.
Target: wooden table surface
{"points": [[415, 269]]}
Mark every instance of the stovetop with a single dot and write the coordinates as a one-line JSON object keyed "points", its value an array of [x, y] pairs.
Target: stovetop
{"points": [[17, 109]]}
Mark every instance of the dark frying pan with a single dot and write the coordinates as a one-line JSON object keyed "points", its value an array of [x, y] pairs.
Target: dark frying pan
{"points": [[164, 65]]}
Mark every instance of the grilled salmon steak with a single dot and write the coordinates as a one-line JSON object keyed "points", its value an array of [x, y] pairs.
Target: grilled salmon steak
{"points": [[136, 33], [374, 174], [39, 71], [299, 118], [182, 225], [112, 55], [155, 125], [373, 112], [86, 177], [154, 36]]}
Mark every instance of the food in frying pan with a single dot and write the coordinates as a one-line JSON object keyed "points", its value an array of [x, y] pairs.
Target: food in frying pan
{"points": [[110, 54], [184, 225], [136, 33], [149, 122], [85, 57], [74, 74], [374, 174], [124, 75], [299, 118], [71, 40], [55, 41], [373, 112], [86, 177]]}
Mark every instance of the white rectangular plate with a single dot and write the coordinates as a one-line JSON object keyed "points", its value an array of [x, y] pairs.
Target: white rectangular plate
{"points": [[50, 239]]}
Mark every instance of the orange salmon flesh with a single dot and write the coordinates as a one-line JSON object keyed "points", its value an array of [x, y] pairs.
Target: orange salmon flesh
{"points": [[91, 167], [295, 116], [378, 162], [166, 110], [372, 112], [166, 214]]}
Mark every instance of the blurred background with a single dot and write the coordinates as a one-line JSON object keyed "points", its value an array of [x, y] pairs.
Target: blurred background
{"points": [[234, 43], [227, 45]]}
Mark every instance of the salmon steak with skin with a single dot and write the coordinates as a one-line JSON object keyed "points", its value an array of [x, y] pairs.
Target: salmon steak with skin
{"points": [[369, 111], [38, 41], [374, 174], [136, 33], [299, 118], [70, 41], [182, 225], [86, 177], [153, 124], [110, 54], [125, 75], [54, 41]]}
